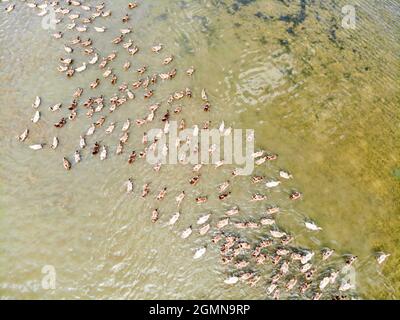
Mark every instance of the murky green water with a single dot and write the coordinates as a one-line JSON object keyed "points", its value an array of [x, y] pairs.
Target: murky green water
{"points": [[324, 98]]}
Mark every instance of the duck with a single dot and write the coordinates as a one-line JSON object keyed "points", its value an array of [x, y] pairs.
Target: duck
{"points": [[132, 5], [94, 84], [381, 258], [70, 72], [94, 59], [142, 70], [203, 219], [10, 8], [204, 95], [258, 197], [126, 65], [124, 138], [162, 194], [54, 145], [60, 123], [272, 183], [291, 284], [132, 157], [145, 190], [277, 234], [126, 125], [36, 147], [36, 103], [103, 154], [157, 48], [81, 28], [120, 148], [222, 223], [202, 199], [36, 117], [223, 186], [96, 148], [285, 175], [66, 164], [295, 195], [100, 29], [180, 198], [312, 226], [55, 107], [174, 218], [168, 60], [231, 280], [204, 229], [82, 142], [190, 71], [324, 282], [91, 130], [199, 253], [110, 128], [345, 286], [193, 181], [187, 232], [350, 259], [154, 216], [77, 156], [23, 136], [132, 51], [327, 253], [223, 196], [125, 18], [81, 68], [267, 222], [126, 31], [232, 211]]}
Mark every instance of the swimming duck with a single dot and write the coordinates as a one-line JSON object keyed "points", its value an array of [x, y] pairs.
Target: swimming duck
{"points": [[94, 59], [154, 216], [187, 232], [162, 194], [168, 60], [126, 31], [145, 190], [132, 157], [94, 84], [277, 234], [10, 8], [55, 107], [126, 125], [350, 259], [223, 186], [285, 175], [204, 229], [222, 223], [125, 19], [96, 148], [22, 137], [204, 95], [91, 130], [70, 72], [312, 226], [258, 197], [36, 117], [180, 198], [201, 199], [124, 138], [132, 5], [272, 183], [327, 253], [382, 257], [190, 71], [231, 280], [100, 29], [36, 103], [103, 154], [37, 146], [81, 68], [60, 123], [157, 48], [295, 195], [132, 51], [66, 164], [345, 286], [199, 253], [203, 219], [324, 282], [233, 211]]}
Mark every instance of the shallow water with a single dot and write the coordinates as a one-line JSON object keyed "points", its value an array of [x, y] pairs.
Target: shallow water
{"points": [[324, 98]]}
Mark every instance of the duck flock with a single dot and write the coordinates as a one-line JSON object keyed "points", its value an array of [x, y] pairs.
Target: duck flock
{"points": [[292, 272]]}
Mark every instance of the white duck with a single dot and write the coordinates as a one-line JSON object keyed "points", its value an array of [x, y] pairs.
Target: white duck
{"points": [[174, 219], [199, 253], [203, 219]]}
